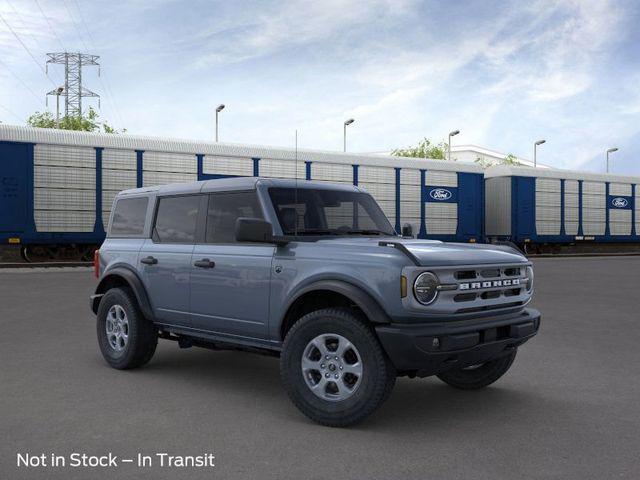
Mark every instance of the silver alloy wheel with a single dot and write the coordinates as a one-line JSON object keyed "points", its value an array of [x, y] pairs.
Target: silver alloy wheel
{"points": [[117, 328], [332, 367]]}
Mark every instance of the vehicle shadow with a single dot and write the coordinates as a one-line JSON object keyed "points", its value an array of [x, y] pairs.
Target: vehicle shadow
{"points": [[413, 405]]}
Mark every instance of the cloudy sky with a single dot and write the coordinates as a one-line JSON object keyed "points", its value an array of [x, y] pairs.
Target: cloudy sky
{"points": [[504, 73]]}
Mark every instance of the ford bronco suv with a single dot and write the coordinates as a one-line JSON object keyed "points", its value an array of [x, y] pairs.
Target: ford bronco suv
{"points": [[315, 274]]}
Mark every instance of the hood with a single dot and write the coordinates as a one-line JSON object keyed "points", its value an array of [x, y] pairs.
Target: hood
{"points": [[436, 253]]}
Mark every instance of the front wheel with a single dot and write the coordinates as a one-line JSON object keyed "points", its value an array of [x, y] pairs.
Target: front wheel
{"points": [[334, 369], [478, 376]]}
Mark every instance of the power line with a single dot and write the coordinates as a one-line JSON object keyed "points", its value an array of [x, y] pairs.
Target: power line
{"points": [[106, 84], [75, 26], [21, 81], [11, 112], [50, 26], [24, 25], [27, 49]]}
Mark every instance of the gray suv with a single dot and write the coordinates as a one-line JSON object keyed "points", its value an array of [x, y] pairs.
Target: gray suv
{"points": [[313, 273]]}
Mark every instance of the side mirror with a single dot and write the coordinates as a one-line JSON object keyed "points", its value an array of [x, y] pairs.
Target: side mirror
{"points": [[253, 230], [407, 230]]}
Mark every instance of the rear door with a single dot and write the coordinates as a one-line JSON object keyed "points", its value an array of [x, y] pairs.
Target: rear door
{"points": [[230, 281], [13, 186], [165, 259]]}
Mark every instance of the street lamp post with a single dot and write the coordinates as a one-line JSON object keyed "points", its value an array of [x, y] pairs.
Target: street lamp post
{"points": [[219, 108], [535, 152], [59, 91], [344, 133], [451, 134], [611, 150]]}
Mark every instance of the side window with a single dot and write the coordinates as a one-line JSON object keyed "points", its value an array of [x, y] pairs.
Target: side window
{"points": [[225, 209], [128, 216], [176, 219]]}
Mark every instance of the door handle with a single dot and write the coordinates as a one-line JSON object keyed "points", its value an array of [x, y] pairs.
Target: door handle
{"points": [[204, 263], [149, 260]]}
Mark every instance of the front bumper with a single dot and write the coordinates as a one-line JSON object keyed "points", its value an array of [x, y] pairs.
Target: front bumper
{"points": [[428, 349]]}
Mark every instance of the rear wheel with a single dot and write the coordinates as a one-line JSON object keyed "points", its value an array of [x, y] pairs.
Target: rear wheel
{"points": [[478, 376], [334, 369], [127, 339]]}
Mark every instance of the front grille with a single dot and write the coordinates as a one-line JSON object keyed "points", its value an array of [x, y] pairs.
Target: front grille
{"points": [[490, 287]]}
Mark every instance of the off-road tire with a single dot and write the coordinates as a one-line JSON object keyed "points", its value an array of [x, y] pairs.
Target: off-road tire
{"points": [[480, 377], [378, 377], [142, 334]]}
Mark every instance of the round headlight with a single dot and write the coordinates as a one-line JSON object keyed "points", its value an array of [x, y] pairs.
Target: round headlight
{"points": [[425, 288], [529, 274]]}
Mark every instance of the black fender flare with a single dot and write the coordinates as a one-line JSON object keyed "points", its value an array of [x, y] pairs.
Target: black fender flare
{"points": [[369, 306], [132, 280]]}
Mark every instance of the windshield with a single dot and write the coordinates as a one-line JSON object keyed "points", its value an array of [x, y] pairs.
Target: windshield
{"points": [[328, 212]]}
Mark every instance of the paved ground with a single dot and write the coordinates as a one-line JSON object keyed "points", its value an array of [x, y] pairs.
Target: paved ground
{"points": [[568, 409]]}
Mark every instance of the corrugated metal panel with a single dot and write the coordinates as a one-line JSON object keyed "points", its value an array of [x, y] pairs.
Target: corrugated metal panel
{"points": [[571, 228], [409, 176], [441, 179], [217, 165], [410, 198], [593, 228], [169, 162], [571, 186], [389, 209], [381, 191], [547, 227], [441, 218], [548, 199], [67, 199], [620, 189], [548, 214], [547, 185], [498, 206], [64, 156], [64, 221], [282, 168], [594, 188], [594, 215], [118, 179], [619, 221], [332, 172], [548, 211], [64, 188], [571, 220], [113, 159], [160, 178], [132, 142], [386, 175]]}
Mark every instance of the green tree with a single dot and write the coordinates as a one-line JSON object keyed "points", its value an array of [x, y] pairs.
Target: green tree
{"points": [[87, 123], [424, 149]]}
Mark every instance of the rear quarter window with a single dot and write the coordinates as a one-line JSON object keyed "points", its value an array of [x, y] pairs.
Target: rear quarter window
{"points": [[128, 216]]}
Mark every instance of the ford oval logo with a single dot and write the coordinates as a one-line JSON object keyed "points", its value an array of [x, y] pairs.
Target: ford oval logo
{"points": [[440, 194], [619, 202]]}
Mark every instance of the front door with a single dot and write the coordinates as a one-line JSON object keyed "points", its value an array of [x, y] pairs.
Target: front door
{"points": [[165, 259], [230, 281]]}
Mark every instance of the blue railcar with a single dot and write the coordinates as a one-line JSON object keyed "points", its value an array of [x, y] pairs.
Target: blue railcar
{"points": [[550, 206], [58, 186]]}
